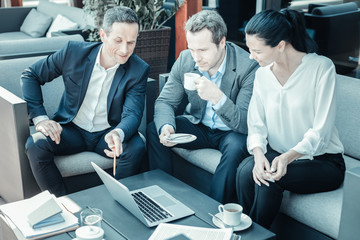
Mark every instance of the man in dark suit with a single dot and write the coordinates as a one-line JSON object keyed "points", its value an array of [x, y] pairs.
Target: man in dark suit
{"points": [[217, 109], [101, 107]]}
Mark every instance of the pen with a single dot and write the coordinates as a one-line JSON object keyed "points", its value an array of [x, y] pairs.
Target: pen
{"points": [[114, 164]]}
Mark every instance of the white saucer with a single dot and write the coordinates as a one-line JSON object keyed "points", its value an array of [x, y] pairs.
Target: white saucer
{"points": [[180, 138], [245, 222]]}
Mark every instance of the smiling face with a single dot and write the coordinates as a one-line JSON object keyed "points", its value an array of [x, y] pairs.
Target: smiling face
{"points": [[207, 55], [260, 52], [119, 43]]}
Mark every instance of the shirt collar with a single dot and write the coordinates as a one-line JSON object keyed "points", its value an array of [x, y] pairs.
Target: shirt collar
{"points": [[97, 61]]}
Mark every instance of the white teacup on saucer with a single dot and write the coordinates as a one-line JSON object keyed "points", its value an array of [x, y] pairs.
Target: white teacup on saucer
{"points": [[231, 213], [244, 223]]}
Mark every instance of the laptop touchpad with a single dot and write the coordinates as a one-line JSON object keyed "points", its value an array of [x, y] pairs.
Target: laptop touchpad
{"points": [[164, 201]]}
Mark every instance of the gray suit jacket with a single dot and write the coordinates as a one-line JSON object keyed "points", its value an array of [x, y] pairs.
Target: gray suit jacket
{"points": [[236, 84]]}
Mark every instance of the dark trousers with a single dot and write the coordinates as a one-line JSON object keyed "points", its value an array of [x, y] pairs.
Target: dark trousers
{"points": [[232, 145], [262, 203], [41, 151]]}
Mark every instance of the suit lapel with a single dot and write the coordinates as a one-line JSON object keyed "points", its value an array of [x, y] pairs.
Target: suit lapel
{"points": [[87, 72], [114, 85], [228, 79]]}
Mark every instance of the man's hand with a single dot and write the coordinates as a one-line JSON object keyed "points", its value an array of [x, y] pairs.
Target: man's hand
{"points": [[113, 140], [165, 132], [208, 90], [51, 129]]}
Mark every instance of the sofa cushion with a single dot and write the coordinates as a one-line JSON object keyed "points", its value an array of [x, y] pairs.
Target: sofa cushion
{"points": [[320, 211], [80, 163], [61, 23], [36, 23], [74, 14], [10, 36], [205, 158]]}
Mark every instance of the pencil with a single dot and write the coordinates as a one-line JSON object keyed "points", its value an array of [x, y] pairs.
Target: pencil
{"points": [[114, 164]]}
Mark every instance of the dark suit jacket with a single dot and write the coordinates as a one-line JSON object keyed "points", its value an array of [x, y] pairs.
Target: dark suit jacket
{"points": [[236, 84], [75, 63]]}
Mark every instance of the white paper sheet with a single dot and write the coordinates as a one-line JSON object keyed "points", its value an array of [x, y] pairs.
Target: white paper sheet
{"points": [[168, 231]]}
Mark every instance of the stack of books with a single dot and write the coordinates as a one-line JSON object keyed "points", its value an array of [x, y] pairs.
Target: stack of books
{"points": [[38, 217]]}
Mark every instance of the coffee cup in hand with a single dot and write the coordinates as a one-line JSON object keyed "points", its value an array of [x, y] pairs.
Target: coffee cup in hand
{"points": [[231, 213], [189, 78]]}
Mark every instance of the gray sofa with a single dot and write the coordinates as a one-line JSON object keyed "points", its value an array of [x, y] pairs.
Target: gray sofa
{"points": [[16, 43], [16, 179], [312, 216]]}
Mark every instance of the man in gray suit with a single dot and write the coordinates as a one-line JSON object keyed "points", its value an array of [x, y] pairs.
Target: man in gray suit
{"points": [[217, 110]]}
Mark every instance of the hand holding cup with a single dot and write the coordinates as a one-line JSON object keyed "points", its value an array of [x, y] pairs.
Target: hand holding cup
{"points": [[189, 80]]}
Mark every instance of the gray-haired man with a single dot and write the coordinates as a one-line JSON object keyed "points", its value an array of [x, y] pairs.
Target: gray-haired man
{"points": [[101, 107]]}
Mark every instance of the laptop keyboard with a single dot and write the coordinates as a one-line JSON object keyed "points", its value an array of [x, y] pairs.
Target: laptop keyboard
{"points": [[151, 210]]}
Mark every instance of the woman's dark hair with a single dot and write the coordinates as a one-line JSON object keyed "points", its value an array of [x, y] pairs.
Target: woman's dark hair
{"points": [[287, 25]]}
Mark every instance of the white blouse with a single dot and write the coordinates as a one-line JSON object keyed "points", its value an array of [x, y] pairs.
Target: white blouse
{"points": [[299, 115]]}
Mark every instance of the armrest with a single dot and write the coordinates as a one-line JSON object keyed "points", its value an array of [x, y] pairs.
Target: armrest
{"points": [[82, 32], [349, 221], [17, 181], [162, 80], [34, 47], [12, 18], [150, 97]]}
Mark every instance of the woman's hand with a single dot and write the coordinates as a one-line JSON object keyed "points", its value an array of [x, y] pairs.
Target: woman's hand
{"points": [[261, 168], [280, 163]]}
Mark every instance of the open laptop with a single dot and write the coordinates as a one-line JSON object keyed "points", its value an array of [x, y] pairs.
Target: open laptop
{"points": [[165, 208]]}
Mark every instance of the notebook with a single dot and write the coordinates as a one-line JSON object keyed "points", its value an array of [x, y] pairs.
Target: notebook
{"points": [[163, 206]]}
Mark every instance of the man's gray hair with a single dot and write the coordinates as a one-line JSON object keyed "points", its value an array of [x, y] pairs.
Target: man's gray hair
{"points": [[209, 19], [119, 14]]}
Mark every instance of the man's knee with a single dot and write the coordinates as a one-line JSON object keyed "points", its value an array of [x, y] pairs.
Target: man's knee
{"points": [[235, 145], [35, 145], [245, 169], [136, 146]]}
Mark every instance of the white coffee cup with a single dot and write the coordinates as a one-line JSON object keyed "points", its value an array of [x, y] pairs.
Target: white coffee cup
{"points": [[189, 78], [89, 233], [231, 213]]}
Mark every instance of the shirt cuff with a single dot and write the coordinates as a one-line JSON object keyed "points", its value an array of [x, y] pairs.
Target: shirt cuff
{"points": [[164, 126], [121, 134], [40, 118], [220, 103]]}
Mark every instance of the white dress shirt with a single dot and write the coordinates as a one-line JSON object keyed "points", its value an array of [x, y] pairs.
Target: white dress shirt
{"points": [[299, 115], [92, 115]]}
